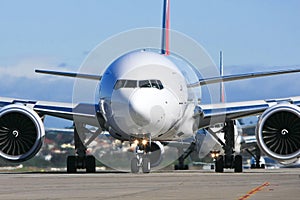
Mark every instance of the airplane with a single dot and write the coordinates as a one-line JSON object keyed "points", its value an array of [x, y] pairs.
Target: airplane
{"points": [[144, 99]]}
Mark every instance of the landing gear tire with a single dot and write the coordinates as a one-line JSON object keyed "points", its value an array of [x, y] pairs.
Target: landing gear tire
{"points": [[80, 160], [134, 165], [179, 167], [75, 162], [90, 164], [176, 167], [71, 164], [238, 164], [146, 165], [254, 166], [219, 164], [228, 160]]}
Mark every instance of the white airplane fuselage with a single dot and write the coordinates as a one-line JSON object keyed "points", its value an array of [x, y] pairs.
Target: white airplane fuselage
{"points": [[145, 93]]}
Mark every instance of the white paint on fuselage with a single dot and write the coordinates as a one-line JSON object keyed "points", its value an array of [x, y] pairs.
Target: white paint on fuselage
{"points": [[149, 110]]}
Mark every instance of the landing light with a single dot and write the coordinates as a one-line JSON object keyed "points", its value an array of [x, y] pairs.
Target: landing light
{"points": [[144, 142], [214, 154], [136, 142]]}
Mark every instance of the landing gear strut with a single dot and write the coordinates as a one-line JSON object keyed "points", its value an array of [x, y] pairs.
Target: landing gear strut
{"points": [[141, 159], [229, 160], [256, 155], [183, 155], [81, 160]]}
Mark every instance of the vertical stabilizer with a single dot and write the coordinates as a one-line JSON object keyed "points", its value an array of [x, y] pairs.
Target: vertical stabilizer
{"points": [[222, 91], [165, 28]]}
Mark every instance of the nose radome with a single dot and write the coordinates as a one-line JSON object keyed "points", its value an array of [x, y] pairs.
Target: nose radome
{"points": [[138, 111], [145, 107]]}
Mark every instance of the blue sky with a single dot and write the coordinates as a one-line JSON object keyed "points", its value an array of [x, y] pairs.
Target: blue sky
{"points": [[256, 35]]}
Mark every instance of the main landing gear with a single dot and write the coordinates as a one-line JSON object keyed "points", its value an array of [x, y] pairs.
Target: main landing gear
{"points": [[183, 155], [228, 160], [257, 156], [81, 160], [141, 158]]}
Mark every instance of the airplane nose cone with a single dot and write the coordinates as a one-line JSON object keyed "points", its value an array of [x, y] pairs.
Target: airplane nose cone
{"points": [[144, 110], [138, 115], [138, 111]]}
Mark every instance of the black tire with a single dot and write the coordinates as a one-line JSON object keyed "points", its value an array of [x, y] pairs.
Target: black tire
{"points": [[176, 167], [219, 164], [238, 164], [134, 165], [262, 166], [71, 164], [186, 167], [146, 165], [90, 164]]}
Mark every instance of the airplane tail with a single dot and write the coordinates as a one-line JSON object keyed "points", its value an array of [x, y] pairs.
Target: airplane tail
{"points": [[165, 28]]}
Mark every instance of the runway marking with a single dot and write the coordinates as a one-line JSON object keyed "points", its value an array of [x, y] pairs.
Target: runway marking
{"points": [[253, 191]]}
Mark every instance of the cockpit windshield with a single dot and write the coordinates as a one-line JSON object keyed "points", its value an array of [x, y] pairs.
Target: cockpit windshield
{"points": [[138, 84]]}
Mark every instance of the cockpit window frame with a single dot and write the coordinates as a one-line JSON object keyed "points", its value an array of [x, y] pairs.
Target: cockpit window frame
{"points": [[151, 83]]}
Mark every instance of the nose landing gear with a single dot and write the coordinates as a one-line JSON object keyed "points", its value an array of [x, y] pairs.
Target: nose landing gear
{"points": [[141, 159]]}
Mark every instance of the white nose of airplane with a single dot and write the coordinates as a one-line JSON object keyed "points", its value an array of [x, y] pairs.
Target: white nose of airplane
{"points": [[146, 108]]}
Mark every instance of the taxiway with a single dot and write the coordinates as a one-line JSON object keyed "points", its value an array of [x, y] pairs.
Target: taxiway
{"points": [[252, 184]]}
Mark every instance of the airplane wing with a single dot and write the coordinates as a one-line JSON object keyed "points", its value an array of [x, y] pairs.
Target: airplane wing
{"points": [[228, 78], [86, 112], [235, 110], [69, 74]]}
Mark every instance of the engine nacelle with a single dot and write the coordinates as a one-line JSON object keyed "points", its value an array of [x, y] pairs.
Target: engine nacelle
{"points": [[21, 133], [156, 153], [278, 132]]}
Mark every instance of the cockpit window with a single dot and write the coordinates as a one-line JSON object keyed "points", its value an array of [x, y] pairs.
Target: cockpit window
{"points": [[119, 84], [144, 84], [130, 84], [154, 84], [141, 84], [160, 85]]}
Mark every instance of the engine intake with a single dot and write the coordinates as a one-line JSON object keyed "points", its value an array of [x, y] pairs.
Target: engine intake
{"points": [[21, 133], [278, 132]]}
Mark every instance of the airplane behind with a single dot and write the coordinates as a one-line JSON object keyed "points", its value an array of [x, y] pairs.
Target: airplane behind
{"points": [[145, 98]]}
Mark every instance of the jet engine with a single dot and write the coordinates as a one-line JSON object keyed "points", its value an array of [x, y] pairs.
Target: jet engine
{"points": [[156, 153], [278, 132], [21, 133]]}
